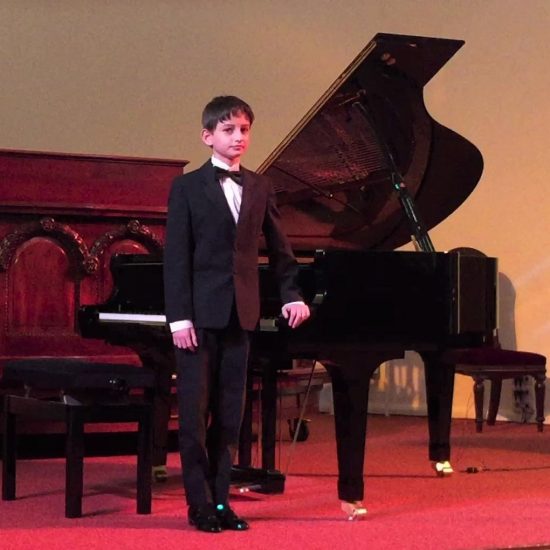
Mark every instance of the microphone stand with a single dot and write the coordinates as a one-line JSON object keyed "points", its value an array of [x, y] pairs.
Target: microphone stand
{"points": [[419, 236]]}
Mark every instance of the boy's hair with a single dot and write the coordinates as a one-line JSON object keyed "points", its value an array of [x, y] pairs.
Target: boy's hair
{"points": [[223, 107]]}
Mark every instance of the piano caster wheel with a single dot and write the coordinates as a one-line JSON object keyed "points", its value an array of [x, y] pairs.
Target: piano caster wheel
{"points": [[443, 468], [160, 474], [303, 432], [355, 510]]}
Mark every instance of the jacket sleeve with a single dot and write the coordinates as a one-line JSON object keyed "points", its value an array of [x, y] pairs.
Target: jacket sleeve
{"points": [[178, 254], [281, 258]]}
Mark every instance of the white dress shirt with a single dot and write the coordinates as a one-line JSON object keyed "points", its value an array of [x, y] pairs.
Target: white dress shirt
{"points": [[231, 189]]}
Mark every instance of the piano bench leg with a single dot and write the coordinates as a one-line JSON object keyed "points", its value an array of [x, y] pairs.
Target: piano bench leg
{"points": [[144, 461], [74, 463], [8, 453], [75, 417]]}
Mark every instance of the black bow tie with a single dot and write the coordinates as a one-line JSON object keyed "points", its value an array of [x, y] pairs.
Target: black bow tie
{"points": [[235, 175]]}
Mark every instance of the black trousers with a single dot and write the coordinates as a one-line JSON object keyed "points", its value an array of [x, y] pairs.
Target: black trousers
{"points": [[211, 385]]}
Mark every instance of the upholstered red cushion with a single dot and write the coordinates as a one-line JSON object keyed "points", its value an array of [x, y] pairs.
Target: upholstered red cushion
{"points": [[493, 356]]}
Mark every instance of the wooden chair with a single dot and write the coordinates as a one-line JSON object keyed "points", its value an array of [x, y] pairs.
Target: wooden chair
{"points": [[491, 362], [496, 364], [86, 393]]}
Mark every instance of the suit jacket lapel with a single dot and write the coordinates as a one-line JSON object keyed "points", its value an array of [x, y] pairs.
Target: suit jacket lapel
{"points": [[213, 189]]}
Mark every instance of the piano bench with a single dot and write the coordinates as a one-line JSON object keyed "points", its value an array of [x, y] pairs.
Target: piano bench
{"points": [[89, 393], [496, 364]]}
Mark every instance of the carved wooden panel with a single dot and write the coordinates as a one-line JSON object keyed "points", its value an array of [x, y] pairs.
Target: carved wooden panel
{"points": [[62, 217], [42, 289]]}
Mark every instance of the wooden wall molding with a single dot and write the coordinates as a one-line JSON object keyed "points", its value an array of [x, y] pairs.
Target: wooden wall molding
{"points": [[70, 240], [133, 230], [86, 261]]}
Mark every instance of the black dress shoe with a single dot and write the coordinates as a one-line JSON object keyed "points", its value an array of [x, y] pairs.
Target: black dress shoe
{"points": [[229, 520], [204, 518]]}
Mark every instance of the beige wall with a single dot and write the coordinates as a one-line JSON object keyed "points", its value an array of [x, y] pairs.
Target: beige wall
{"points": [[130, 78]]}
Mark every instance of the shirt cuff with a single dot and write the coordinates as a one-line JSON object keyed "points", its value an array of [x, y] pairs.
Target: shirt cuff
{"points": [[179, 325], [292, 303]]}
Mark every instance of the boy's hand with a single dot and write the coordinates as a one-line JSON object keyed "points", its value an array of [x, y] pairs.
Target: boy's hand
{"points": [[185, 338], [296, 313]]}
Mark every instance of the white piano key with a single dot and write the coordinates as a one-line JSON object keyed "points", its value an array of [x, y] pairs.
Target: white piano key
{"points": [[138, 318]]}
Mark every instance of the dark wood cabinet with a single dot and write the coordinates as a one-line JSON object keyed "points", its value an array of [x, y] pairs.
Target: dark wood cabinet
{"points": [[62, 217]]}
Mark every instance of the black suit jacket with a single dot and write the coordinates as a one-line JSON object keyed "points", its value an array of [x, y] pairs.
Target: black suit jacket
{"points": [[209, 261]]}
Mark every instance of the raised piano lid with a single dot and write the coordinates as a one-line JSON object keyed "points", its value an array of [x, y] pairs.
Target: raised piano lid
{"points": [[332, 173]]}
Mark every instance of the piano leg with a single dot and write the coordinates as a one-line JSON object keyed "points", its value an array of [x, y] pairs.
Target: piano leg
{"points": [[439, 395], [350, 389]]}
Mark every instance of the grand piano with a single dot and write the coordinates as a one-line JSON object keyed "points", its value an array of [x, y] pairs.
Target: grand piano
{"points": [[366, 171]]}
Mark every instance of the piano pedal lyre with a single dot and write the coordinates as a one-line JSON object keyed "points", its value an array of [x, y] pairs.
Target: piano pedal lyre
{"points": [[443, 468], [355, 510]]}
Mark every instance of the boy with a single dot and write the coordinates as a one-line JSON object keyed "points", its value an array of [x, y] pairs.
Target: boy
{"points": [[216, 215]]}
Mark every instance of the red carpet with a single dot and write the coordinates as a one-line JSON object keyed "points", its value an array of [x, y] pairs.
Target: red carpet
{"points": [[505, 505]]}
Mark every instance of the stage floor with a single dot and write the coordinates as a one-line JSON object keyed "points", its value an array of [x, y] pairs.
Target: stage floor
{"points": [[506, 504]]}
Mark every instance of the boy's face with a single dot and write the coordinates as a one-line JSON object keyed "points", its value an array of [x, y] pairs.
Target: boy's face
{"points": [[229, 139]]}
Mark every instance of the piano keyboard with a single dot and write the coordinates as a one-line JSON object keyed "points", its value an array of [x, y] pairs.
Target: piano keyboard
{"points": [[138, 318], [266, 325]]}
